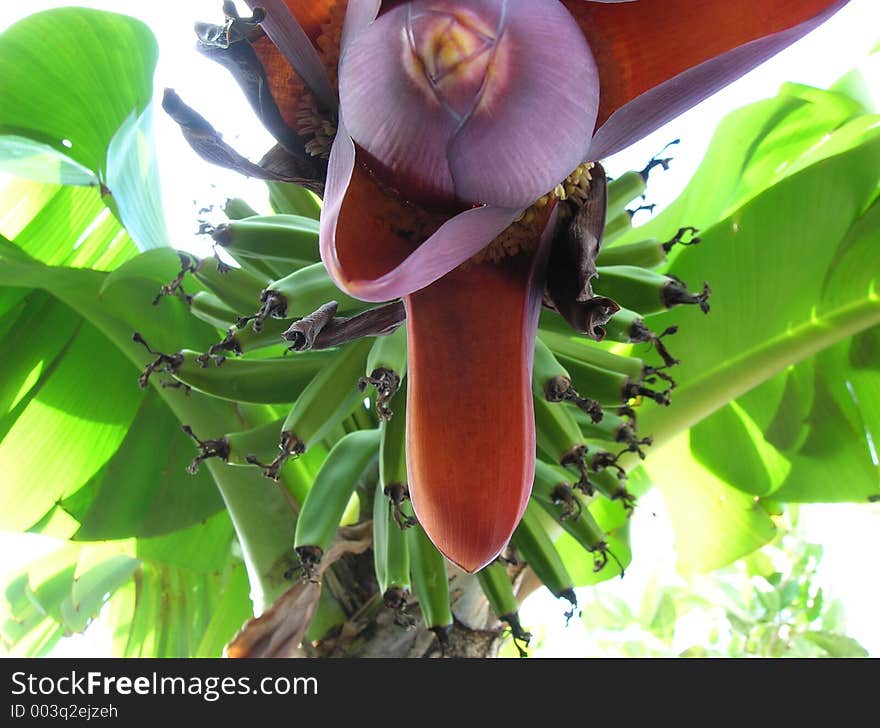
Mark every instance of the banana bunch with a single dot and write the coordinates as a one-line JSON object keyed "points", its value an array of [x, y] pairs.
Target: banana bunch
{"points": [[333, 420]]}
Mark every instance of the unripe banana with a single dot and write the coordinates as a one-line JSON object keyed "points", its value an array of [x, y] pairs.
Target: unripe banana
{"points": [[616, 227], [645, 290], [292, 199], [610, 481], [598, 367], [243, 340], [559, 435], [623, 190], [390, 552], [386, 367], [645, 253], [299, 294], [206, 307], [610, 389], [330, 397], [630, 185], [629, 327], [498, 589], [535, 546], [430, 583], [552, 322], [555, 492], [551, 381], [582, 350], [288, 239], [237, 209], [238, 448], [392, 463], [327, 500], [235, 287], [260, 381], [615, 429], [328, 616]]}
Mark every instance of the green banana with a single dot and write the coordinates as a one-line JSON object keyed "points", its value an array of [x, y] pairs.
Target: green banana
{"points": [[392, 462], [249, 448], [633, 368], [535, 546], [623, 190], [629, 327], [288, 239], [237, 209], [551, 322], [645, 253], [386, 367], [430, 583], [626, 326], [330, 494], [292, 199], [609, 388], [238, 448], [328, 616], [615, 429], [498, 589], [390, 552], [237, 288], [630, 185], [329, 398], [554, 491], [646, 291], [559, 435], [551, 381], [582, 350], [260, 381], [243, 340], [608, 483], [206, 307], [616, 226], [299, 294]]}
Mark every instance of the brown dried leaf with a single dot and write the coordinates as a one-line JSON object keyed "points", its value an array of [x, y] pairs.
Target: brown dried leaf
{"points": [[572, 264], [318, 331], [209, 145], [279, 631]]}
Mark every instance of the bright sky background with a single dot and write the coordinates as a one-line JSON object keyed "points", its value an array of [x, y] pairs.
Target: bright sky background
{"points": [[851, 533]]}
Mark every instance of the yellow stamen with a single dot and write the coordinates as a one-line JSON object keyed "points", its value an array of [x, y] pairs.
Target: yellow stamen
{"points": [[524, 233], [318, 130]]}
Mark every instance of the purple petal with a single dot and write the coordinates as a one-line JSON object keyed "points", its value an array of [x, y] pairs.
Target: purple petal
{"points": [[385, 112], [527, 139], [457, 240], [358, 15], [492, 101], [289, 37], [661, 104]]}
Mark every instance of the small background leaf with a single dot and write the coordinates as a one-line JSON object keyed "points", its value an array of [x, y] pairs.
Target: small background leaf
{"points": [[78, 82]]}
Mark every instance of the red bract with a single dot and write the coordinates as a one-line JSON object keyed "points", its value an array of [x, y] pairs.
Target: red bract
{"points": [[454, 117]]}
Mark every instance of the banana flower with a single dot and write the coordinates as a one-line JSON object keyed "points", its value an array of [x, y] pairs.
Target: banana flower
{"points": [[450, 132]]}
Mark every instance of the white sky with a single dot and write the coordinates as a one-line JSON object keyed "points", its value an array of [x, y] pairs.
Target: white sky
{"points": [[849, 532]]}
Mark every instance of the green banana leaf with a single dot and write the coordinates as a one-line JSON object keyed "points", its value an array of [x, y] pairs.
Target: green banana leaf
{"points": [[770, 403], [155, 606], [75, 109], [73, 410]]}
